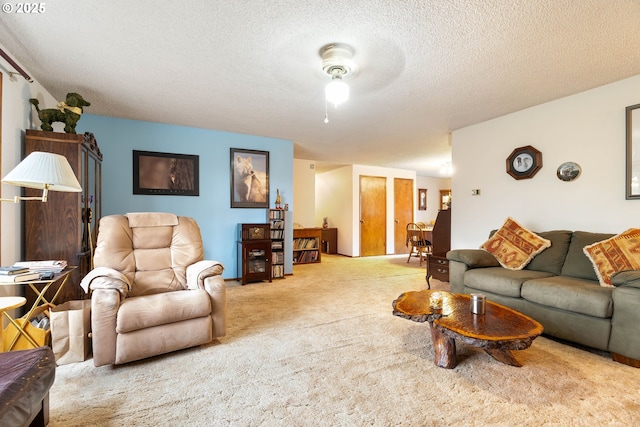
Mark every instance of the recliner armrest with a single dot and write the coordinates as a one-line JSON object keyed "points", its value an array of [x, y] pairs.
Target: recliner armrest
{"points": [[473, 258], [106, 278], [207, 275], [196, 273]]}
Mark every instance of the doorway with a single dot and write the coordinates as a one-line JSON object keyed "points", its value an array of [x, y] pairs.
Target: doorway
{"points": [[373, 215], [403, 207]]}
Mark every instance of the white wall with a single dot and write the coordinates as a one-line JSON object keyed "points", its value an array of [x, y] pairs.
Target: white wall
{"points": [[433, 186], [16, 117], [587, 128], [334, 200], [338, 194], [304, 193]]}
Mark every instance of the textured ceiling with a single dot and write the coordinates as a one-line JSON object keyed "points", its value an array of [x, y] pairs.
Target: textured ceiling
{"points": [[252, 66]]}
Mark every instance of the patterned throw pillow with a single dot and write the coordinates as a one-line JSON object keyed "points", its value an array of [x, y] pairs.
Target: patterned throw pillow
{"points": [[514, 246], [611, 256]]}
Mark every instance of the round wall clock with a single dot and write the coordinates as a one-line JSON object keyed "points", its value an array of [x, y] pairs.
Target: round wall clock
{"points": [[524, 162]]}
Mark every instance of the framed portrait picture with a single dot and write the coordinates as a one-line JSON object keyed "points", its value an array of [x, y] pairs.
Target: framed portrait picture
{"points": [[165, 174], [524, 162], [422, 199], [249, 178]]}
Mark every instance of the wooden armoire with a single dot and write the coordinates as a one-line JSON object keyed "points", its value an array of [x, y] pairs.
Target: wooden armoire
{"points": [[65, 227]]}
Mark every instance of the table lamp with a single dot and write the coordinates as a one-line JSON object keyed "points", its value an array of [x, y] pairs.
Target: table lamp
{"points": [[46, 171]]}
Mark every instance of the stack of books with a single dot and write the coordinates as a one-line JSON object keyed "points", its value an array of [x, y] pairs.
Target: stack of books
{"points": [[43, 266], [17, 274], [26, 271]]}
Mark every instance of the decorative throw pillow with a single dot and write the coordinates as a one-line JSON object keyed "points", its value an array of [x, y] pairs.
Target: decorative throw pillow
{"points": [[611, 256], [514, 246]]}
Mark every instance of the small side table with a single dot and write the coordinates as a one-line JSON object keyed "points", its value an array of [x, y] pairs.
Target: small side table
{"points": [[8, 303], [41, 304]]}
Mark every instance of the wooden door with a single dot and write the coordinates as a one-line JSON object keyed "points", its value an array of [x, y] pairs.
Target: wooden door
{"points": [[403, 207], [373, 215]]}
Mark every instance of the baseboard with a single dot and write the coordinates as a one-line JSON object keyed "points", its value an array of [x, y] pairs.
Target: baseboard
{"points": [[626, 360]]}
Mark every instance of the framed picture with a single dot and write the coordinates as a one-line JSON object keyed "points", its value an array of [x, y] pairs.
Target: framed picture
{"points": [[422, 199], [524, 162], [249, 178], [165, 174]]}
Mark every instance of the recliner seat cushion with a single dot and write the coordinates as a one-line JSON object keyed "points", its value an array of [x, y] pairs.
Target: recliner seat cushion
{"points": [[160, 309], [570, 294], [499, 280]]}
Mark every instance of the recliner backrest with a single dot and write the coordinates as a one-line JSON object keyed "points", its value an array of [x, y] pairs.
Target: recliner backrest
{"points": [[152, 249]]}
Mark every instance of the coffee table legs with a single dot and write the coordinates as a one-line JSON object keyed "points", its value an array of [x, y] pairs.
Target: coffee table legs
{"points": [[504, 356], [445, 349]]}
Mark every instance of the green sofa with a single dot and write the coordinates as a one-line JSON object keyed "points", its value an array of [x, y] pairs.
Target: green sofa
{"points": [[559, 288]]}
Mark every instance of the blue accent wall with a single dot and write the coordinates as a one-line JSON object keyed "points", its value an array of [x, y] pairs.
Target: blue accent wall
{"points": [[117, 138]]}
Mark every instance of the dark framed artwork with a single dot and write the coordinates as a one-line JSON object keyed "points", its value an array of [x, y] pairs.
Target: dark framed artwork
{"points": [[165, 174], [249, 178], [524, 162], [422, 199]]}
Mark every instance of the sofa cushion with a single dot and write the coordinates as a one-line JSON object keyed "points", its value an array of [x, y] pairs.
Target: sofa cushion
{"points": [[552, 258], [152, 310], [570, 294], [25, 379], [499, 280], [514, 246], [576, 263], [614, 255]]}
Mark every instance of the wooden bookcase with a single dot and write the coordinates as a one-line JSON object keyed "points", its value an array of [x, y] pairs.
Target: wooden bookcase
{"points": [[277, 223], [66, 227], [306, 245]]}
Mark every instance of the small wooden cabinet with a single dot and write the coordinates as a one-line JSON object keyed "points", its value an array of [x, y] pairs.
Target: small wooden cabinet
{"points": [[437, 262], [254, 253], [330, 240], [306, 245]]}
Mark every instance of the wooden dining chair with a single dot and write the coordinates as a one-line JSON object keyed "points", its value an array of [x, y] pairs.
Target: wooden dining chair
{"points": [[419, 245]]}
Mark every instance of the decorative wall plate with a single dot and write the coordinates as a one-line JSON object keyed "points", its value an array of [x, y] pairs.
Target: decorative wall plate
{"points": [[524, 162], [569, 171]]}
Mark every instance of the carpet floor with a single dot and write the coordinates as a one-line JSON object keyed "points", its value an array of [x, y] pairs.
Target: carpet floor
{"points": [[321, 348]]}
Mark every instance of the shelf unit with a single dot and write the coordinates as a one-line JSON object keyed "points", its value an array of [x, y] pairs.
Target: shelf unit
{"points": [[306, 245], [277, 222]]}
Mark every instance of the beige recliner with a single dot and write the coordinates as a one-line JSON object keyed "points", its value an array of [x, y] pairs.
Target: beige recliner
{"points": [[152, 293]]}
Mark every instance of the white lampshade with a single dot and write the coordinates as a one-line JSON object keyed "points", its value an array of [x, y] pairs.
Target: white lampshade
{"points": [[337, 91], [44, 171]]}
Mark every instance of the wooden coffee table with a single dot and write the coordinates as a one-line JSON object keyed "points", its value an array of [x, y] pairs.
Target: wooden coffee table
{"points": [[497, 332]]}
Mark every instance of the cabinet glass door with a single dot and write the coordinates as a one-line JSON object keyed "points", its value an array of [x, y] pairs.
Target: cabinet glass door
{"points": [[257, 261]]}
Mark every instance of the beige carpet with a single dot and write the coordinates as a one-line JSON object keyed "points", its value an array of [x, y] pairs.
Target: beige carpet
{"points": [[321, 348]]}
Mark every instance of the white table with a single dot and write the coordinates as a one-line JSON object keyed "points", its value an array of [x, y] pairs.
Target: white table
{"points": [[8, 303]]}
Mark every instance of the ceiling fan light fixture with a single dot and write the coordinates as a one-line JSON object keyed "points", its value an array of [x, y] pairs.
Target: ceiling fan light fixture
{"points": [[336, 91], [337, 63]]}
